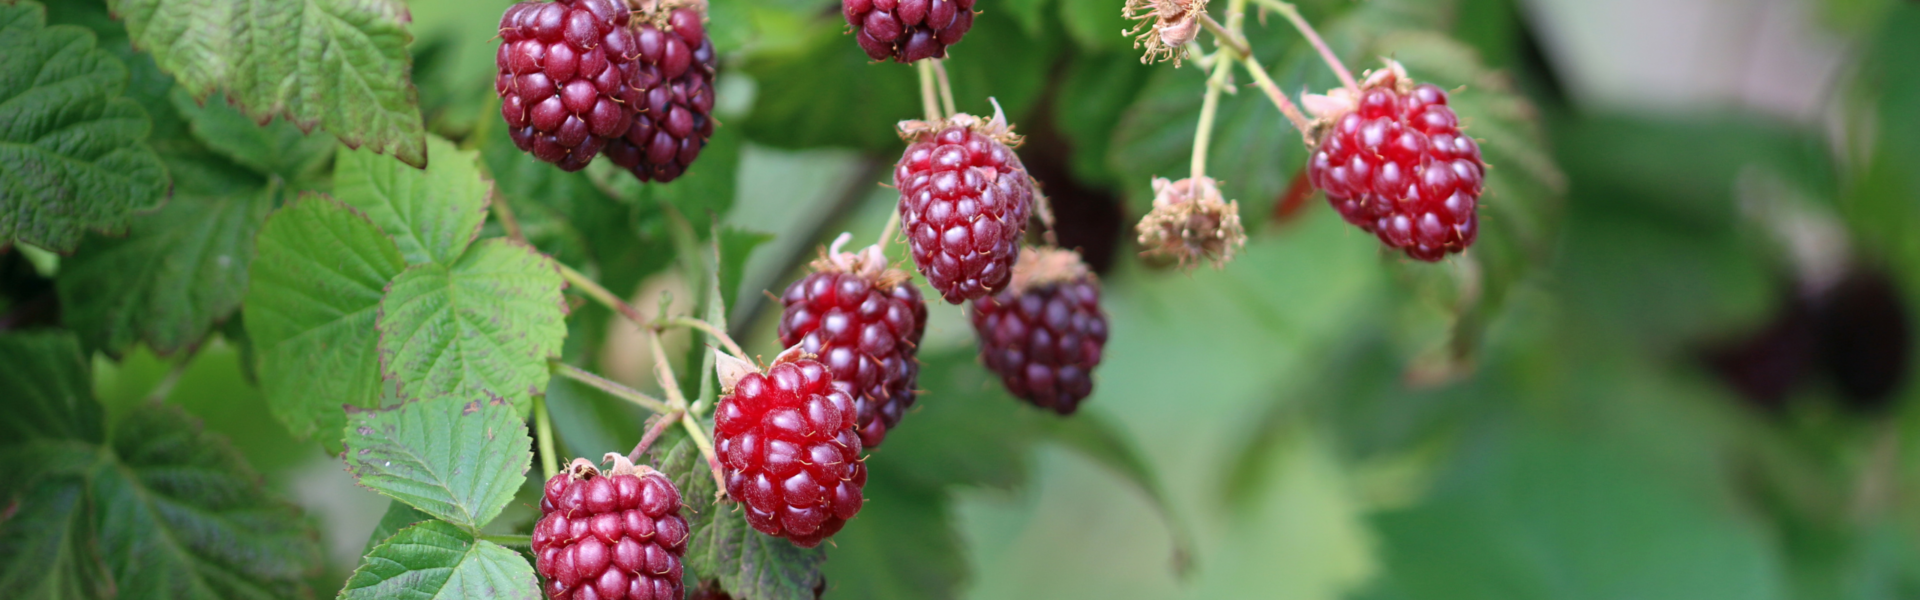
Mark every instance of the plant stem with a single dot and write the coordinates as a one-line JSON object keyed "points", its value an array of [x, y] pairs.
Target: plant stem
{"points": [[1279, 98], [1203, 136], [543, 429], [172, 379], [946, 87], [509, 539], [886, 234], [605, 385], [678, 401], [600, 294], [660, 425], [505, 214], [709, 329], [928, 101], [1292, 14], [1226, 38]]}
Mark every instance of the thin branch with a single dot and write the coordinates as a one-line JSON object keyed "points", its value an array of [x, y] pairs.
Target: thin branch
{"points": [[1226, 38], [677, 400], [543, 429], [929, 101], [887, 233], [660, 425], [946, 87], [504, 213], [609, 386], [600, 294], [1313, 37], [709, 329], [1209, 107], [1286, 106]]}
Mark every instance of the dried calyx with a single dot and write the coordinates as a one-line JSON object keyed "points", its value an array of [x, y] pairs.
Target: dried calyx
{"points": [[1190, 222], [1329, 107], [1164, 27], [996, 128], [1046, 265], [657, 11], [582, 468], [869, 262], [731, 369]]}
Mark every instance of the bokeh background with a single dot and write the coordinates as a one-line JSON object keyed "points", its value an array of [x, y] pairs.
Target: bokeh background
{"points": [[1677, 365]]}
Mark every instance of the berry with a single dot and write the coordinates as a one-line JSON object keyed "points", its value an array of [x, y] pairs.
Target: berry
{"points": [[562, 77], [1044, 334], [908, 30], [787, 445], [1394, 162], [673, 98], [964, 203], [864, 321], [609, 536]]}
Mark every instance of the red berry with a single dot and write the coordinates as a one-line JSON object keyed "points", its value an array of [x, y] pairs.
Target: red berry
{"points": [[788, 448], [610, 536], [671, 87], [907, 30], [1044, 335], [560, 71], [864, 321], [1397, 166], [964, 203]]}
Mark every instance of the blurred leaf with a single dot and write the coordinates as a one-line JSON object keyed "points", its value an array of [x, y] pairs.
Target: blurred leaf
{"points": [[47, 542], [1095, 91], [181, 515], [455, 458], [875, 557], [1879, 205], [1100, 440], [316, 288], [431, 214], [399, 516], [437, 560], [481, 327], [563, 214], [1097, 26], [50, 395], [179, 271], [71, 156], [277, 148], [962, 431], [340, 65], [735, 245], [702, 195], [1030, 14], [723, 548]]}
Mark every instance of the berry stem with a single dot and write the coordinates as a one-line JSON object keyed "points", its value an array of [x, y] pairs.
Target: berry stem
{"points": [[1286, 9], [172, 379], [1265, 83], [605, 385], [600, 294], [1209, 107], [664, 371], [1225, 37], [504, 214], [709, 329], [543, 428], [946, 87], [660, 425], [886, 234], [929, 102]]}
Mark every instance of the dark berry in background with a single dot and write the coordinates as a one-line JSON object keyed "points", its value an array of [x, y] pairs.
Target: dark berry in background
{"points": [[1044, 335], [673, 87], [562, 77], [907, 30]]}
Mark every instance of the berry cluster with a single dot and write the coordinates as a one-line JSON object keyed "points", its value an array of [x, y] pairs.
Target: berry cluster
{"points": [[1045, 333], [864, 321], [908, 30], [576, 77], [610, 536], [964, 203], [1395, 164], [787, 445]]}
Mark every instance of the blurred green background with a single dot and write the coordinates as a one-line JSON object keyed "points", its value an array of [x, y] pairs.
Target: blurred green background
{"points": [[1677, 365]]}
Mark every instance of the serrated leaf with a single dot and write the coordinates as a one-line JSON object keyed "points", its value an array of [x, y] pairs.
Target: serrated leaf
{"points": [[433, 214], [457, 458], [47, 548], [437, 560], [723, 548], [398, 516], [310, 310], [485, 325], [72, 157], [181, 515], [179, 271], [277, 148], [49, 390], [339, 64]]}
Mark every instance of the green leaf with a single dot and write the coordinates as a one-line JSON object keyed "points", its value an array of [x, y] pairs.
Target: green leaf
{"points": [[49, 390], [1101, 440], [1030, 14], [47, 547], [432, 214], [277, 148], [399, 516], [71, 151], [872, 558], [181, 515], [310, 310], [485, 325], [723, 548], [1097, 26], [452, 457], [337, 64], [437, 560], [179, 272]]}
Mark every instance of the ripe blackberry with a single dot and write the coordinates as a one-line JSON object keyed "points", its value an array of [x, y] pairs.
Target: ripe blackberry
{"points": [[908, 30], [562, 77], [1394, 162], [1045, 333], [673, 95], [609, 536], [788, 448], [864, 321], [964, 203]]}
